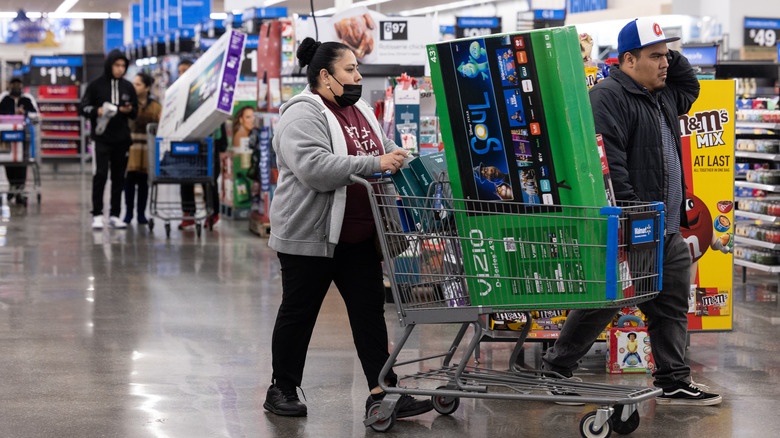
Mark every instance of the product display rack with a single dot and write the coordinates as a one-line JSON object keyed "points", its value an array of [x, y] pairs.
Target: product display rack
{"points": [[769, 131]]}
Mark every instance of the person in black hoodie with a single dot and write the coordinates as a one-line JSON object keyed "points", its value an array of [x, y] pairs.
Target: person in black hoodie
{"points": [[16, 102], [107, 95]]}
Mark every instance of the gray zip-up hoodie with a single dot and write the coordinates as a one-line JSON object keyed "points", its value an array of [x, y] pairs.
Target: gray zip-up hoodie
{"points": [[307, 210]]}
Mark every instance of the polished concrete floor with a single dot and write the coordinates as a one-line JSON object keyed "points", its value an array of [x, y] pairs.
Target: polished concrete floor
{"points": [[129, 334]]}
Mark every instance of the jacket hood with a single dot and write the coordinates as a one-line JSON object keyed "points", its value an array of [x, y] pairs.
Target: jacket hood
{"points": [[112, 57]]}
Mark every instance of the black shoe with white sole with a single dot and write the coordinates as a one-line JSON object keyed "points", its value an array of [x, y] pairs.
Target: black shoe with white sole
{"points": [[687, 394]]}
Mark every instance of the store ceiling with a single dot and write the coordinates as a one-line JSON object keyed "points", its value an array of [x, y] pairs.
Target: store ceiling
{"points": [[293, 6]]}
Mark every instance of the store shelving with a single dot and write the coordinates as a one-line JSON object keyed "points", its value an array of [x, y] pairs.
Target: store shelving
{"points": [[758, 186], [757, 156], [758, 216]]}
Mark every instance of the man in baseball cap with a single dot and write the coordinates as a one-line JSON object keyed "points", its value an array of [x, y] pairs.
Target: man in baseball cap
{"points": [[636, 110]]}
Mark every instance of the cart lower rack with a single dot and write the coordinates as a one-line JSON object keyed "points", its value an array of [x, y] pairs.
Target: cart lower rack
{"points": [[452, 260]]}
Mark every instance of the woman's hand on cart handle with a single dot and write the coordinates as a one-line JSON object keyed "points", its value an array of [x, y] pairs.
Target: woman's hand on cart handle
{"points": [[393, 161]]}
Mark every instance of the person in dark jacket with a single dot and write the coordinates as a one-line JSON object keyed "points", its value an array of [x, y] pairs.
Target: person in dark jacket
{"points": [[105, 96], [16, 102], [636, 110]]}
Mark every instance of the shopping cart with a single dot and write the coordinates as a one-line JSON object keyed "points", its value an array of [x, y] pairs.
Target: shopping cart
{"points": [[451, 261], [20, 147], [172, 163]]}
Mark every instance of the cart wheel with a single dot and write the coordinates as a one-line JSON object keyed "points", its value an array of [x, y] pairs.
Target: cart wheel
{"points": [[167, 230], [198, 228], [445, 405], [381, 425], [587, 430], [151, 224], [624, 427]]}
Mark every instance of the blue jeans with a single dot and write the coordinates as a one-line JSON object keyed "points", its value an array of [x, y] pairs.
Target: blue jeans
{"points": [[667, 323]]}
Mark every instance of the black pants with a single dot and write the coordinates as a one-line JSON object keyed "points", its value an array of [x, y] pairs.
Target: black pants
{"points": [[107, 157], [187, 192], [357, 272], [17, 176]]}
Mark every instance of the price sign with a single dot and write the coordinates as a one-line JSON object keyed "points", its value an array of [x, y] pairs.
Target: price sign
{"points": [[56, 70], [762, 32], [470, 27], [394, 30], [249, 66]]}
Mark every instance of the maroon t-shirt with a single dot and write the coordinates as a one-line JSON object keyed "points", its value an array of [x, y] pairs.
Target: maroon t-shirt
{"points": [[361, 140]]}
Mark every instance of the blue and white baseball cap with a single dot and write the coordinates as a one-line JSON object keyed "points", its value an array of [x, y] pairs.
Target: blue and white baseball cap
{"points": [[640, 33]]}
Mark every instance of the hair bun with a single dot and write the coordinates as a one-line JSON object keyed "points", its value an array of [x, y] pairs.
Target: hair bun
{"points": [[306, 51]]}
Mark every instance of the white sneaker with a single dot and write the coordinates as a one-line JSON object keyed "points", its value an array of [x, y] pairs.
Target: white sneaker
{"points": [[115, 222], [97, 222]]}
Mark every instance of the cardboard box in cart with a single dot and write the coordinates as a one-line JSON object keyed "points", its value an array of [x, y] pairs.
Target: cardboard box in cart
{"points": [[519, 129], [11, 142]]}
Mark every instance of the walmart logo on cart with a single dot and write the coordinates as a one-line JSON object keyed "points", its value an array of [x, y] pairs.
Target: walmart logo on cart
{"points": [[643, 231]]}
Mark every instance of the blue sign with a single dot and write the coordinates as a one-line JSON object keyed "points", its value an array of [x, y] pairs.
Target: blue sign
{"points": [[193, 12], [135, 16], [478, 22], [642, 231], [447, 30], [576, 6], [252, 41], [701, 55], [172, 14], [145, 11], [56, 61], [184, 148], [550, 14], [12, 136], [252, 13], [113, 34], [762, 23]]}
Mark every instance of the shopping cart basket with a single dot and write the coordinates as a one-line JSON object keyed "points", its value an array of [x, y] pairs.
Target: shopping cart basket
{"points": [[176, 163], [453, 260]]}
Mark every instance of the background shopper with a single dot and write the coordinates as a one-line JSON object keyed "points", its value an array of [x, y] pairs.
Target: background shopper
{"points": [[112, 138], [137, 178], [16, 102]]}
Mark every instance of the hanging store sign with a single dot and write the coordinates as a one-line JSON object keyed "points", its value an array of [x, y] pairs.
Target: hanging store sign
{"points": [[576, 6], [113, 34], [135, 17], [761, 31], [470, 27], [56, 70]]}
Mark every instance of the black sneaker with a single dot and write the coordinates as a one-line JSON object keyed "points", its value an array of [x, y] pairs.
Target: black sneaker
{"points": [[284, 402], [688, 393], [408, 406], [565, 392]]}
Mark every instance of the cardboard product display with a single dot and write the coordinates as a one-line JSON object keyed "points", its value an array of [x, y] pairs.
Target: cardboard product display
{"points": [[626, 356], [269, 67], [202, 98], [236, 187], [519, 130]]}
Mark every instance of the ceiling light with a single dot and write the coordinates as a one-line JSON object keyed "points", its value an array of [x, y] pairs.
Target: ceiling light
{"points": [[65, 6], [330, 11], [218, 16], [268, 3], [444, 7]]}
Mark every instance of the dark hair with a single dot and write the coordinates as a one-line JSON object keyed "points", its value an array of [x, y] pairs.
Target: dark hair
{"points": [[146, 78], [185, 61], [15, 80], [631, 333], [317, 56], [634, 52], [238, 115]]}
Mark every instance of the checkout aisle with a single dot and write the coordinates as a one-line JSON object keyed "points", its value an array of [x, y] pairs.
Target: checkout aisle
{"points": [[120, 333]]}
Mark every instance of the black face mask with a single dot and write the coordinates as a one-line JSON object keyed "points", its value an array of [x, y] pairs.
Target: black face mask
{"points": [[350, 96], [15, 92]]}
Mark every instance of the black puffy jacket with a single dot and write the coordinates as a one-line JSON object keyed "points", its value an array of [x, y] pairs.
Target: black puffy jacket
{"points": [[117, 91], [626, 115]]}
